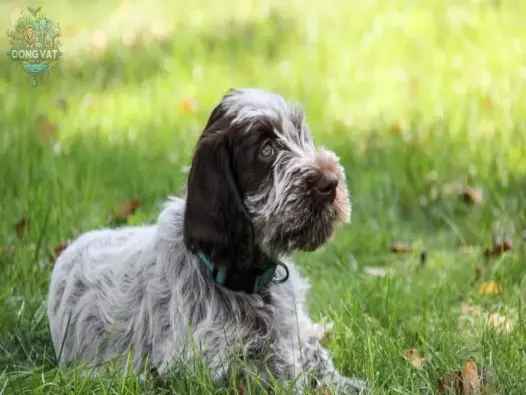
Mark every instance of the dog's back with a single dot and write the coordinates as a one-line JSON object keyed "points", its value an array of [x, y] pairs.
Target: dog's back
{"points": [[90, 297]]}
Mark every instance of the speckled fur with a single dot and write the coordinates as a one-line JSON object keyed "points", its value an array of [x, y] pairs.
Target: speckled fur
{"points": [[140, 290]]}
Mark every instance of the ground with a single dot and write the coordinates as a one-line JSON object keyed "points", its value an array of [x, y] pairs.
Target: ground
{"points": [[420, 99]]}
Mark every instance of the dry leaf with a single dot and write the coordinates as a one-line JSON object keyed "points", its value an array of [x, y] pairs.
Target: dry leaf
{"points": [[44, 129], [400, 248], [241, 388], [413, 356], [470, 378], [188, 105], [472, 195], [58, 250], [469, 381], [498, 249], [20, 227], [127, 209], [490, 288]]}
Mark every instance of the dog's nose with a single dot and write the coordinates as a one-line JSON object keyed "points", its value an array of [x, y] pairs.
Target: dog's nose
{"points": [[324, 188]]}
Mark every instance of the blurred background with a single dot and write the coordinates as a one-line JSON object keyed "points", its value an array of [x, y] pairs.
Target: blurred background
{"points": [[424, 101]]}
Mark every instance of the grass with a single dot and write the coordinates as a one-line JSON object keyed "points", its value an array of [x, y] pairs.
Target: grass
{"points": [[416, 97]]}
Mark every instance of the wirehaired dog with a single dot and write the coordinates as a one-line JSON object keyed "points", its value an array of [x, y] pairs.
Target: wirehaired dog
{"points": [[214, 270]]}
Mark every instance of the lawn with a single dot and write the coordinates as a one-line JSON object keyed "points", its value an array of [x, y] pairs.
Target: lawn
{"points": [[424, 101]]}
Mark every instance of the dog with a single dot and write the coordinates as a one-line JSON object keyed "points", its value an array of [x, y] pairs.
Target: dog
{"points": [[214, 270]]}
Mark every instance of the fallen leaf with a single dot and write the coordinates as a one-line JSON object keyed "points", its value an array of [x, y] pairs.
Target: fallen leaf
{"points": [[469, 381], [451, 382], [498, 249], [127, 209], [400, 248], [470, 378], [44, 128], [241, 388], [58, 250], [472, 195], [375, 271], [188, 105], [20, 227], [413, 356], [490, 288]]}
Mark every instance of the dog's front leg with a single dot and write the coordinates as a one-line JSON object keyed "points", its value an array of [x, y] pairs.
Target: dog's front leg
{"points": [[311, 367], [318, 364]]}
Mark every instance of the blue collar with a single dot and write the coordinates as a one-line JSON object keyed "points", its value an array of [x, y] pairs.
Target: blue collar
{"points": [[251, 282]]}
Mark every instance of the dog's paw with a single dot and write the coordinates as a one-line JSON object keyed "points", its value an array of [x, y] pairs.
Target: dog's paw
{"points": [[347, 386], [351, 386]]}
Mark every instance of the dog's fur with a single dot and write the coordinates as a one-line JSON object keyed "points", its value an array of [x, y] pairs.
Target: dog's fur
{"points": [[250, 200]]}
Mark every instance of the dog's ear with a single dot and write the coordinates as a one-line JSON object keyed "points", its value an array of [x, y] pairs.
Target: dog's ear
{"points": [[216, 221]]}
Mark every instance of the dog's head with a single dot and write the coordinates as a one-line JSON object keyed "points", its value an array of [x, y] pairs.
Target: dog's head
{"points": [[259, 184]]}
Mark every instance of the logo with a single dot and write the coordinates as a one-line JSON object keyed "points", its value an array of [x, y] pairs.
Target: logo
{"points": [[34, 44]]}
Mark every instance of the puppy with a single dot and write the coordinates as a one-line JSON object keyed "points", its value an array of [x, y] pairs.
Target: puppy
{"points": [[214, 272]]}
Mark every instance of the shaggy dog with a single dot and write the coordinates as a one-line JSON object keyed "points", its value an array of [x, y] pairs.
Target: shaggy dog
{"points": [[214, 270]]}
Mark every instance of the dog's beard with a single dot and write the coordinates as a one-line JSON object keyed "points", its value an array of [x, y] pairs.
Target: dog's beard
{"points": [[300, 224]]}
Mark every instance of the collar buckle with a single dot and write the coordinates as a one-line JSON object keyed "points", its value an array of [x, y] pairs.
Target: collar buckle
{"points": [[248, 282]]}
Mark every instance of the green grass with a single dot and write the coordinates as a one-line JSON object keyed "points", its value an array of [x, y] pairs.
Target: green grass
{"points": [[415, 96]]}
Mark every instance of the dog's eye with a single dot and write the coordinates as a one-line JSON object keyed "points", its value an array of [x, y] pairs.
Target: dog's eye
{"points": [[267, 151]]}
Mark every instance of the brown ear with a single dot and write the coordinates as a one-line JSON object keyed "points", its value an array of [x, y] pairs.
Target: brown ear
{"points": [[216, 221]]}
